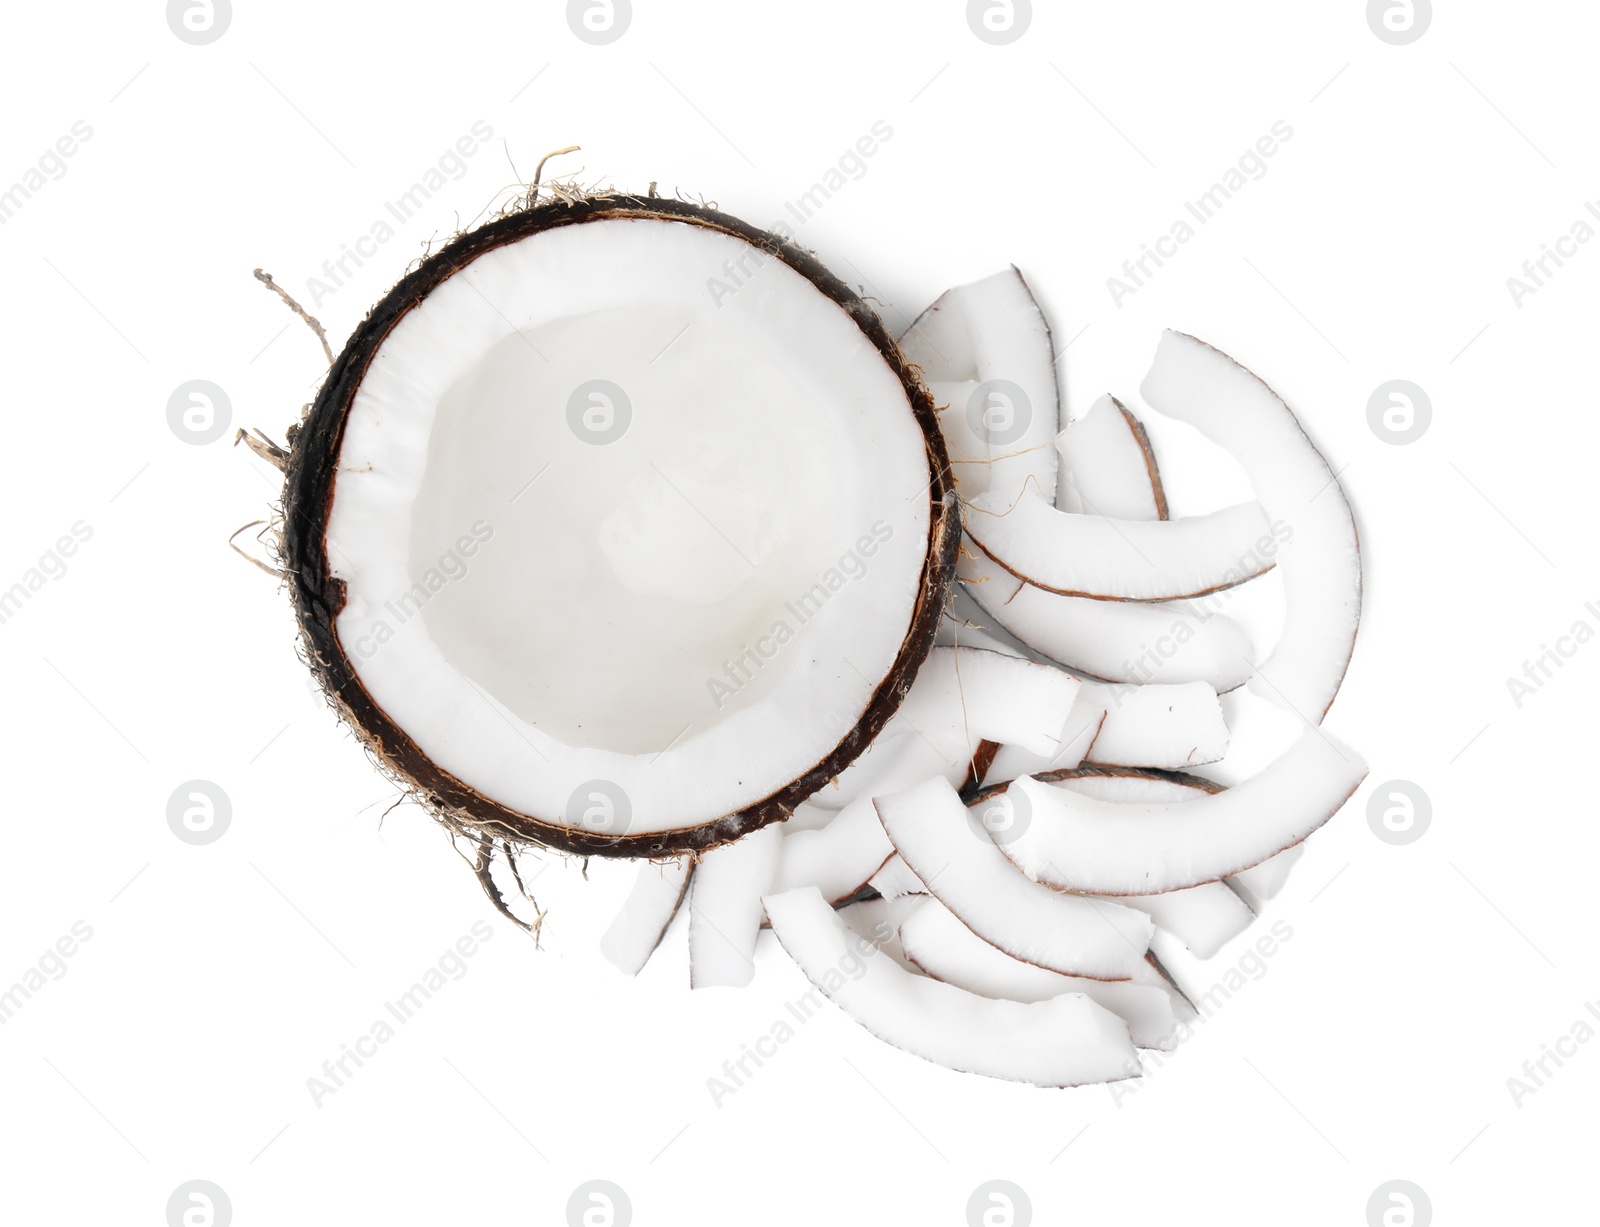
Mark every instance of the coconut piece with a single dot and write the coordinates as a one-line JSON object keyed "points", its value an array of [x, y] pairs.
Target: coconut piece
{"points": [[1119, 560], [987, 348], [1205, 917], [1262, 883], [725, 912], [1079, 843], [944, 948], [1255, 885], [1083, 726], [978, 695], [1319, 551], [879, 920], [948, 847], [895, 880], [1108, 467], [1158, 725], [1119, 641], [838, 859], [560, 518], [961, 698], [1066, 1041], [646, 912]]}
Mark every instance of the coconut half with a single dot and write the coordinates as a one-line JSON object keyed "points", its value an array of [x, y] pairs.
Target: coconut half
{"points": [[596, 551]]}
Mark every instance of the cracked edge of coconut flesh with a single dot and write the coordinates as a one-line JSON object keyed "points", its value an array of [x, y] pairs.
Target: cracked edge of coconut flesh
{"points": [[1068, 1040], [457, 806]]}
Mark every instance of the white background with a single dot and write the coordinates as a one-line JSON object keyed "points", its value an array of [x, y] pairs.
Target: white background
{"points": [[1379, 1042]]}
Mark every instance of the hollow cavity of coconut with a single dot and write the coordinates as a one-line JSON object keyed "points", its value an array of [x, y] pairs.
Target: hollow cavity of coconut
{"points": [[619, 527]]}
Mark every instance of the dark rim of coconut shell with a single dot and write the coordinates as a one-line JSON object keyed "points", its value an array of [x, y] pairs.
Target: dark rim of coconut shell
{"points": [[319, 596]]}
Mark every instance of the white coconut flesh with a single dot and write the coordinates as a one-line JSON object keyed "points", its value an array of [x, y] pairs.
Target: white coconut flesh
{"points": [[1079, 843], [1160, 725], [1319, 557], [725, 913], [642, 921], [1257, 885], [1107, 467], [839, 858], [895, 880], [687, 580], [1066, 1041], [941, 946], [1119, 641], [1264, 882], [961, 697], [1119, 560], [987, 352], [948, 847]]}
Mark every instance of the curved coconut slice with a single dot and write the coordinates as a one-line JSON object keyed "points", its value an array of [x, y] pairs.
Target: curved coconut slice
{"points": [[1066, 1041], [1108, 467], [1119, 641], [1321, 557], [1158, 726], [944, 948], [725, 909], [1205, 917], [1097, 847], [563, 525], [991, 339], [948, 847], [1119, 560], [1258, 884], [646, 913]]}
